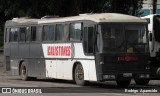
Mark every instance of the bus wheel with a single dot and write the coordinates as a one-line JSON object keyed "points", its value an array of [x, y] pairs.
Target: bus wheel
{"points": [[142, 81], [23, 71], [123, 83], [158, 72], [79, 75]]}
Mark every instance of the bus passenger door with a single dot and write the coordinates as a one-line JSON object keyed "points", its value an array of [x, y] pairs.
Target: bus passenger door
{"points": [[88, 46]]}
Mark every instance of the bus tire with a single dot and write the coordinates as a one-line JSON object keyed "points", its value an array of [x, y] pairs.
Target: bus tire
{"points": [[23, 70], [158, 72], [142, 81], [79, 75], [123, 83], [33, 78]]}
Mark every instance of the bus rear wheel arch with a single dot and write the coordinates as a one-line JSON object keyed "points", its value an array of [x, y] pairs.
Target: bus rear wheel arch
{"points": [[79, 75]]}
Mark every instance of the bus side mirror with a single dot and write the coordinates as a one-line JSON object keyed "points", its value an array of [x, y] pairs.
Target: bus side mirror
{"points": [[95, 37], [150, 37]]}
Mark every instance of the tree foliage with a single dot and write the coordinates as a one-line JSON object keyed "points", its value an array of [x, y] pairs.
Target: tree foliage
{"points": [[39, 8]]}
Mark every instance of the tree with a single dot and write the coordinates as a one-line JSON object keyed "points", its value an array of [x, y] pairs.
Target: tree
{"points": [[131, 7], [38, 8]]}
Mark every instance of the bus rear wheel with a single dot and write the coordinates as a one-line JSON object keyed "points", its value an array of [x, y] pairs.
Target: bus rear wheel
{"points": [[123, 83], [23, 70], [79, 75]]}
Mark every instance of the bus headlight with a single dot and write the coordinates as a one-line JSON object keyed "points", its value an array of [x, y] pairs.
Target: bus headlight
{"points": [[101, 62]]}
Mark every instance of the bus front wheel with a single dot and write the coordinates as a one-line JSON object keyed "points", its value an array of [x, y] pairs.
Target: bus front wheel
{"points": [[79, 75], [123, 83], [23, 70]]}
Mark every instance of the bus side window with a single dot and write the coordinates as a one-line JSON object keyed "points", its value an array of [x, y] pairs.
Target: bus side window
{"points": [[88, 39], [59, 32], [75, 32], [33, 33], [45, 33], [52, 32], [65, 33], [28, 29], [48, 33], [23, 34], [14, 35]]}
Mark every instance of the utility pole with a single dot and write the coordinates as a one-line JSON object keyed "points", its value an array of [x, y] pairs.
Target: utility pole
{"points": [[153, 6]]}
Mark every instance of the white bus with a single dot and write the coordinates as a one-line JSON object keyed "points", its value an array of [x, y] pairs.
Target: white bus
{"points": [[88, 47], [154, 44]]}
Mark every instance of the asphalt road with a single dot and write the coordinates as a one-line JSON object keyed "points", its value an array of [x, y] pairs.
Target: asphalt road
{"points": [[69, 88]]}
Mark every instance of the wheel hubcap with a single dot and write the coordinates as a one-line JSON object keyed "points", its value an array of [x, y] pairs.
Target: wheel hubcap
{"points": [[79, 73], [23, 71]]}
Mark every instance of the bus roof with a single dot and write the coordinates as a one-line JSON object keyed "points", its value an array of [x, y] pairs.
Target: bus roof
{"points": [[21, 21], [102, 17]]}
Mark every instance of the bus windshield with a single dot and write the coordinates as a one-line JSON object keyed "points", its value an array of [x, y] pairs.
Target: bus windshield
{"points": [[122, 38]]}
